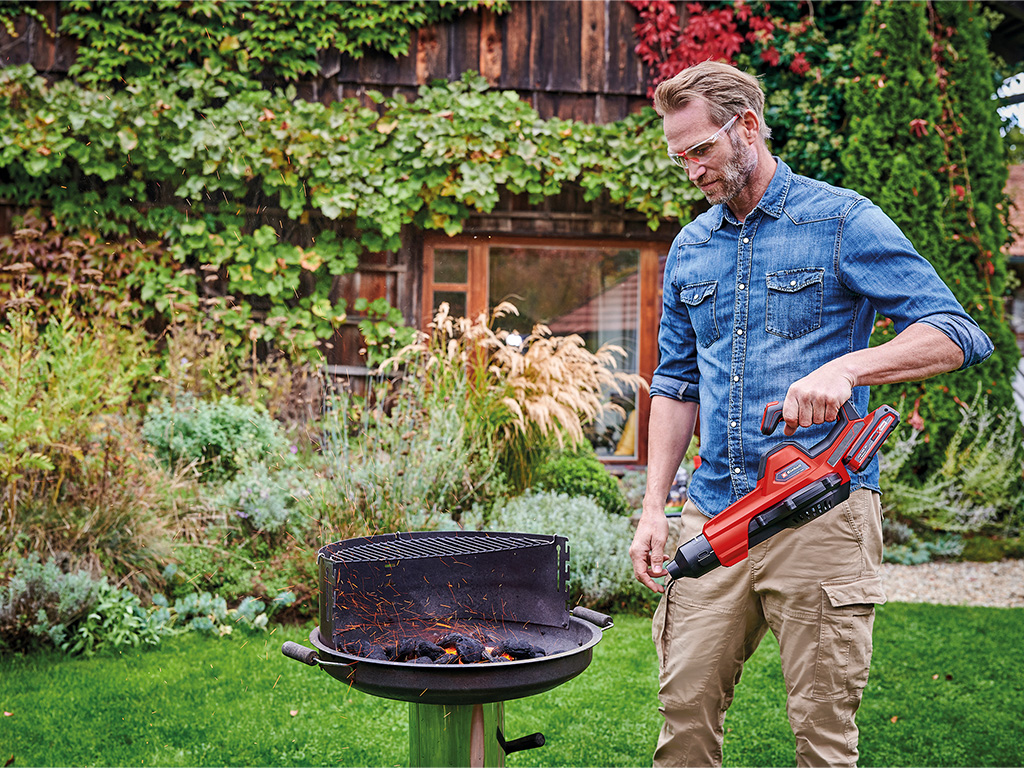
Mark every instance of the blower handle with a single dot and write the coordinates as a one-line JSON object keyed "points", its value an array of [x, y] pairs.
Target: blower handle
{"points": [[773, 415]]}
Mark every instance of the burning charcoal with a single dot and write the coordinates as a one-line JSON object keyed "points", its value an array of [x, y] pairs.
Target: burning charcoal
{"points": [[519, 649], [365, 649], [470, 650], [403, 649], [449, 640], [429, 649]]}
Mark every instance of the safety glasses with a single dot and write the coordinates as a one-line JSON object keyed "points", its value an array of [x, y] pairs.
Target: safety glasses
{"points": [[699, 151]]}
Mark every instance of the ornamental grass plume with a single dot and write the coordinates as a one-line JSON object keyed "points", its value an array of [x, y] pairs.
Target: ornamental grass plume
{"points": [[520, 398]]}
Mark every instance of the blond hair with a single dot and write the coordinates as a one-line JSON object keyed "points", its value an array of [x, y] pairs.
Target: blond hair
{"points": [[724, 89]]}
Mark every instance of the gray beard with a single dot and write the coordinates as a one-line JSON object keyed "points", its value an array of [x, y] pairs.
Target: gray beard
{"points": [[735, 175]]}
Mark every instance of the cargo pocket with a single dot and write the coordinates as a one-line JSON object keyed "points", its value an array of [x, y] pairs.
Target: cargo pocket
{"points": [[844, 643], [794, 302], [699, 299]]}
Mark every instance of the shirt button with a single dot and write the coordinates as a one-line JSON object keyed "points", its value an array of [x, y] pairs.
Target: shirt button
{"points": [[735, 378], [739, 331], [792, 282], [736, 470], [732, 423], [742, 287], [746, 239]]}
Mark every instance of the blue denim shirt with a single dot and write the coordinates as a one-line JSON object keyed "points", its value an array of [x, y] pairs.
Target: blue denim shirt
{"points": [[751, 307]]}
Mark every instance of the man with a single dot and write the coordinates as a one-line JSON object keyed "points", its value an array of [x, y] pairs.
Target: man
{"points": [[772, 294]]}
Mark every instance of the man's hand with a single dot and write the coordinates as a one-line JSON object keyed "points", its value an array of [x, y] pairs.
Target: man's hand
{"points": [[918, 352], [648, 549], [816, 398]]}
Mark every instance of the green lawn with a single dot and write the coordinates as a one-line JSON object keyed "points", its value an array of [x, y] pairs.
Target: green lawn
{"points": [[945, 690]]}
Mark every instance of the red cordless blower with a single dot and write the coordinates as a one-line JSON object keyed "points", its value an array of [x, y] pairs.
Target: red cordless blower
{"points": [[794, 486]]}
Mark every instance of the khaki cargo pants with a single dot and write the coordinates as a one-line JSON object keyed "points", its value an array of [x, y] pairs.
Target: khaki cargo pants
{"points": [[816, 588]]}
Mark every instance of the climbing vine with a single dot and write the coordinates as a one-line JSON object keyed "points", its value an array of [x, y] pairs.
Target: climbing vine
{"points": [[121, 41], [801, 52], [266, 198]]}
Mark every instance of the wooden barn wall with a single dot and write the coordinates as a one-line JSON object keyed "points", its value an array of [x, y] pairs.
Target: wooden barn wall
{"points": [[571, 59]]}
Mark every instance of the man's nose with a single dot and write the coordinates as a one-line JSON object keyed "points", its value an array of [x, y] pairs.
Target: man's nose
{"points": [[694, 170]]}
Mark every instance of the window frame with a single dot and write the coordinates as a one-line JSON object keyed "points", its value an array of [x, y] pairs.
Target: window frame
{"points": [[476, 290]]}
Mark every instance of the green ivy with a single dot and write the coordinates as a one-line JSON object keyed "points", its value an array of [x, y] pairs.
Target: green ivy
{"points": [[240, 40], [264, 198]]}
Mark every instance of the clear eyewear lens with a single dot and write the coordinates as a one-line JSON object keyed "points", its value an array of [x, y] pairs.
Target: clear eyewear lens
{"points": [[700, 150]]}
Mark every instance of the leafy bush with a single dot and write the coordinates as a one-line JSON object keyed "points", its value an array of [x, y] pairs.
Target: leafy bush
{"points": [[600, 571], [40, 602], [79, 614], [267, 500], [117, 621], [977, 487], [403, 462], [581, 473], [217, 439]]}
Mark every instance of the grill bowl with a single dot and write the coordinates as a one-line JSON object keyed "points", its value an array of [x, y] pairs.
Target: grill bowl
{"points": [[468, 683]]}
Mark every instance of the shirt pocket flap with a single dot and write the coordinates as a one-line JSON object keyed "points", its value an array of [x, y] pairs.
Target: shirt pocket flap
{"points": [[793, 280], [697, 293], [865, 591]]}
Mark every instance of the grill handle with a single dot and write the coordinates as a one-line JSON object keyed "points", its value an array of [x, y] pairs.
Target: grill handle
{"points": [[300, 653], [532, 741], [602, 620]]}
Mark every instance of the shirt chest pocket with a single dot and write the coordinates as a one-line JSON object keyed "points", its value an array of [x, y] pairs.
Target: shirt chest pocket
{"points": [[699, 300], [794, 302]]}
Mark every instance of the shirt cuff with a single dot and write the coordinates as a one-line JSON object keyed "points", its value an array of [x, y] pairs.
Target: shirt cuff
{"points": [[666, 386], [963, 332]]}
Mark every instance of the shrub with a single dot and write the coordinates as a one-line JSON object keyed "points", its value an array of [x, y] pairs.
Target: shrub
{"points": [[600, 572], [977, 487], [73, 474], [267, 500], [581, 473], [116, 621], [515, 401], [402, 463], [216, 438], [41, 602]]}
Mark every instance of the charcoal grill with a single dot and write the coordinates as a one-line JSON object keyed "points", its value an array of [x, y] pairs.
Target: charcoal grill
{"points": [[504, 585]]}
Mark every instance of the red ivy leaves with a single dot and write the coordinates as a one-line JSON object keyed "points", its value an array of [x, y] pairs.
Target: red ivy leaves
{"points": [[711, 34]]}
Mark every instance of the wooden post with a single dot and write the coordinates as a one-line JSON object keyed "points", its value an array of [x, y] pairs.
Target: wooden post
{"points": [[443, 736]]}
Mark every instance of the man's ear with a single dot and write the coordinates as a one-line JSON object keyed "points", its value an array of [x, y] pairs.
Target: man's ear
{"points": [[751, 125]]}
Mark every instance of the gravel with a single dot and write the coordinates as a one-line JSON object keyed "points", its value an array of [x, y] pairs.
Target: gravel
{"points": [[999, 585]]}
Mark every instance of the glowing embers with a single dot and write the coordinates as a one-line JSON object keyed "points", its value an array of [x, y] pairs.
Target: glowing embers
{"points": [[447, 648]]}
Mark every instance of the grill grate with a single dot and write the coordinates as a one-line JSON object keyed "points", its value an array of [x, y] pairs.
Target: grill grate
{"points": [[440, 545]]}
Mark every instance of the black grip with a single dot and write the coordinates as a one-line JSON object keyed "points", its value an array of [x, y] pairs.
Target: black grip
{"points": [[299, 653], [532, 741], [594, 617], [772, 417]]}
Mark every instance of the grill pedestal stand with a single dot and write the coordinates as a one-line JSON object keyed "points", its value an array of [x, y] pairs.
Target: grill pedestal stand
{"points": [[456, 735]]}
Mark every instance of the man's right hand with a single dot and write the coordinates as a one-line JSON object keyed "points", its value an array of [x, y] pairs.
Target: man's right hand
{"points": [[648, 549]]}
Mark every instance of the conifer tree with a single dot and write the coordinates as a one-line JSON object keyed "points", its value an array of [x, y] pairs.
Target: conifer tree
{"points": [[926, 149]]}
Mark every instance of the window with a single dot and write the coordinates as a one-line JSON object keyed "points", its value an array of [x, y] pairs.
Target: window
{"points": [[606, 292]]}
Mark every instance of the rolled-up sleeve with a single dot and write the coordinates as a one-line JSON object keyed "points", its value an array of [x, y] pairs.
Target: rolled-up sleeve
{"points": [[880, 263], [677, 375]]}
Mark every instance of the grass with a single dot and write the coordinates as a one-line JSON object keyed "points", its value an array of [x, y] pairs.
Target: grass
{"points": [[944, 691]]}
